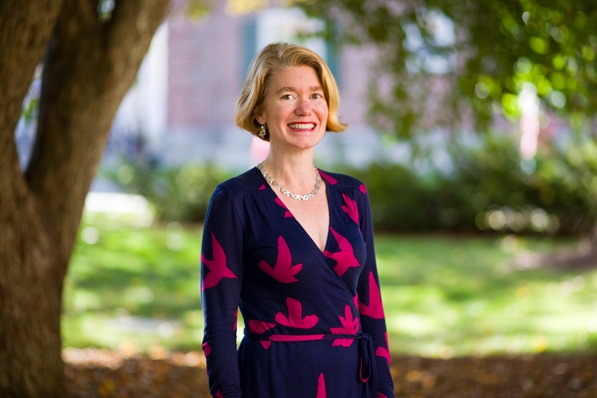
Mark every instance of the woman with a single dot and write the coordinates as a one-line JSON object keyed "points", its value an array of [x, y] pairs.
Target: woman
{"points": [[293, 247]]}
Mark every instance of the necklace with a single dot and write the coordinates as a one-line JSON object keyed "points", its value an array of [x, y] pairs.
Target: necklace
{"points": [[287, 192]]}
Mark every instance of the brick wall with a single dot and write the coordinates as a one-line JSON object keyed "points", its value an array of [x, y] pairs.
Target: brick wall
{"points": [[205, 69], [207, 63]]}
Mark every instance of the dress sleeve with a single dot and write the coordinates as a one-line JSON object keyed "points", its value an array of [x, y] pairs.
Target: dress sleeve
{"points": [[221, 281], [370, 304]]}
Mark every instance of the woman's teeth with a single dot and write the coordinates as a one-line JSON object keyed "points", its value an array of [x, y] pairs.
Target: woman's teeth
{"points": [[302, 126]]}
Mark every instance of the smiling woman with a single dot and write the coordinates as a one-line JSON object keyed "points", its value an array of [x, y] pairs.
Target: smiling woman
{"points": [[294, 111], [292, 246]]}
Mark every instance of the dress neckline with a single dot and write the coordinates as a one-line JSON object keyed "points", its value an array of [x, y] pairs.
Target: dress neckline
{"points": [[302, 228]]}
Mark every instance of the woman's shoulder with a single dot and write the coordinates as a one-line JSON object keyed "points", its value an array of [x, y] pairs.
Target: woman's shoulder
{"points": [[342, 181], [241, 185]]}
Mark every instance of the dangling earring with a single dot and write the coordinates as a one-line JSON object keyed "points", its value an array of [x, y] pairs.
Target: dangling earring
{"points": [[262, 132]]}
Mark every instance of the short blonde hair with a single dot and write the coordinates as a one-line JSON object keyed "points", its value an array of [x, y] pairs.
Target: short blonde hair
{"points": [[275, 57]]}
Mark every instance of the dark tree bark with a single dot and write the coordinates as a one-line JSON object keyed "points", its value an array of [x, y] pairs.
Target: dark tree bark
{"points": [[89, 65]]}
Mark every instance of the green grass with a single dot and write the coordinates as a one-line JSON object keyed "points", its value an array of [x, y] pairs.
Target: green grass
{"points": [[133, 287], [463, 296]]}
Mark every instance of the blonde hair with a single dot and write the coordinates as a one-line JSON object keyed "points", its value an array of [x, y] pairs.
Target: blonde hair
{"points": [[275, 57]]}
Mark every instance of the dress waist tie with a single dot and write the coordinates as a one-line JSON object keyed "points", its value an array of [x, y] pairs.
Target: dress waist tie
{"points": [[367, 365]]}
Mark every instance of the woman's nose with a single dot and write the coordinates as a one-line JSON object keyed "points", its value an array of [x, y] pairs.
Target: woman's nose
{"points": [[303, 107]]}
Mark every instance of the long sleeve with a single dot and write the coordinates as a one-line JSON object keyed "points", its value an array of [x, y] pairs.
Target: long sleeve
{"points": [[370, 304], [221, 281]]}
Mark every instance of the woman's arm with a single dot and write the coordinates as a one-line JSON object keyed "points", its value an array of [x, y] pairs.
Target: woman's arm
{"points": [[221, 281], [370, 305]]}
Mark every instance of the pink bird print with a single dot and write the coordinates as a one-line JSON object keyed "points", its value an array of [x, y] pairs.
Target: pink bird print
{"points": [[217, 267], [383, 351], [350, 325], [235, 318], [265, 343], [295, 316], [328, 178], [380, 395], [262, 187], [363, 189], [350, 208], [283, 271], [345, 257], [375, 307], [219, 394], [206, 349], [287, 213], [260, 327], [321, 387]]}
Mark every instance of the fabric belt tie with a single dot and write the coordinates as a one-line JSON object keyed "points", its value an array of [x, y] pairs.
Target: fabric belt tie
{"points": [[366, 352], [367, 364]]}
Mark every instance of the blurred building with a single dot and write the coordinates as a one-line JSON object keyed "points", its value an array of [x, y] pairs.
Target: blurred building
{"points": [[181, 108]]}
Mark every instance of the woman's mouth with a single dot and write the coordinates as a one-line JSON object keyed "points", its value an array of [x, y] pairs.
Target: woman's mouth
{"points": [[302, 126]]}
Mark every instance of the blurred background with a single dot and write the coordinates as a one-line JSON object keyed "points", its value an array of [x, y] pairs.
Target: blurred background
{"points": [[471, 123]]}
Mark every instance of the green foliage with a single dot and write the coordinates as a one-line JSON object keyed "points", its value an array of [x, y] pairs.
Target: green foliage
{"points": [[30, 109], [177, 193], [494, 176], [197, 10], [497, 47], [489, 189], [400, 200]]}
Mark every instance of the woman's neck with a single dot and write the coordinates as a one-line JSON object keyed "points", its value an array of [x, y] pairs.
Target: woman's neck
{"points": [[292, 171]]}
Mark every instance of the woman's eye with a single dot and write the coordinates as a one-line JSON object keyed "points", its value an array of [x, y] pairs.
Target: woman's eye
{"points": [[317, 96], [287, 96]]}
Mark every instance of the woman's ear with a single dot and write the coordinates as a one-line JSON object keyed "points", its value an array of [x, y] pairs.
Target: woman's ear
{"points": [[259, 116]]}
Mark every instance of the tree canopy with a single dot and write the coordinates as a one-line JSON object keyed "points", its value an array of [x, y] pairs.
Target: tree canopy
{"points": [[480, 54]]}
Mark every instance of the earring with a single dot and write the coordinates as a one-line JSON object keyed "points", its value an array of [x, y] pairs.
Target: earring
{"points": [[262, 132]]}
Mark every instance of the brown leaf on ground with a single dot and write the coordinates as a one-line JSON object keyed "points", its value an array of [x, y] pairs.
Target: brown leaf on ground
{"points": [[101, 373], [532, 376]]}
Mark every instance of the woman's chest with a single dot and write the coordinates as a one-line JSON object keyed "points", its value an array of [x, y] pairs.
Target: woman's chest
{"points": [[282, 249], [313, 216]]}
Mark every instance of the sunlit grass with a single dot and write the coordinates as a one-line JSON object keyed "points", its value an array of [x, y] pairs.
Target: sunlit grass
{"points": [[462, 296], [131, 287]]}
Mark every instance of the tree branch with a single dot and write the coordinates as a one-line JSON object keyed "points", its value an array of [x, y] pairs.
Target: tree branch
{"points": [[88, 68], [25, 28], [130, 22]]}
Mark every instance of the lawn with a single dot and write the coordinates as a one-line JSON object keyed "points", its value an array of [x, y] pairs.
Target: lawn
{"points": [[453, 296], [136, 288]]}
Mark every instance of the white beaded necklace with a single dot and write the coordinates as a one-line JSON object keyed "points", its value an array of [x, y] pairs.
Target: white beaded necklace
{"points": [[287, 192]]}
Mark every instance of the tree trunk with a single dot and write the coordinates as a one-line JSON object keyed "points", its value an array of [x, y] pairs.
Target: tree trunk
{"points": [[89, 65], [29, 300]]}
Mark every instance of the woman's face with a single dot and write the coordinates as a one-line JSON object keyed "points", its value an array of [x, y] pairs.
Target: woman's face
{"points": [[295, 109]]}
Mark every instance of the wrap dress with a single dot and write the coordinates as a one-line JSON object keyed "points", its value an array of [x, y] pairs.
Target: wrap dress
{"points": [[314, 321]]}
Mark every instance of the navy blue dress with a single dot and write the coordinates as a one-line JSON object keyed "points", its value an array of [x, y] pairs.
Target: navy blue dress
{"points": [[314, 321]]}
